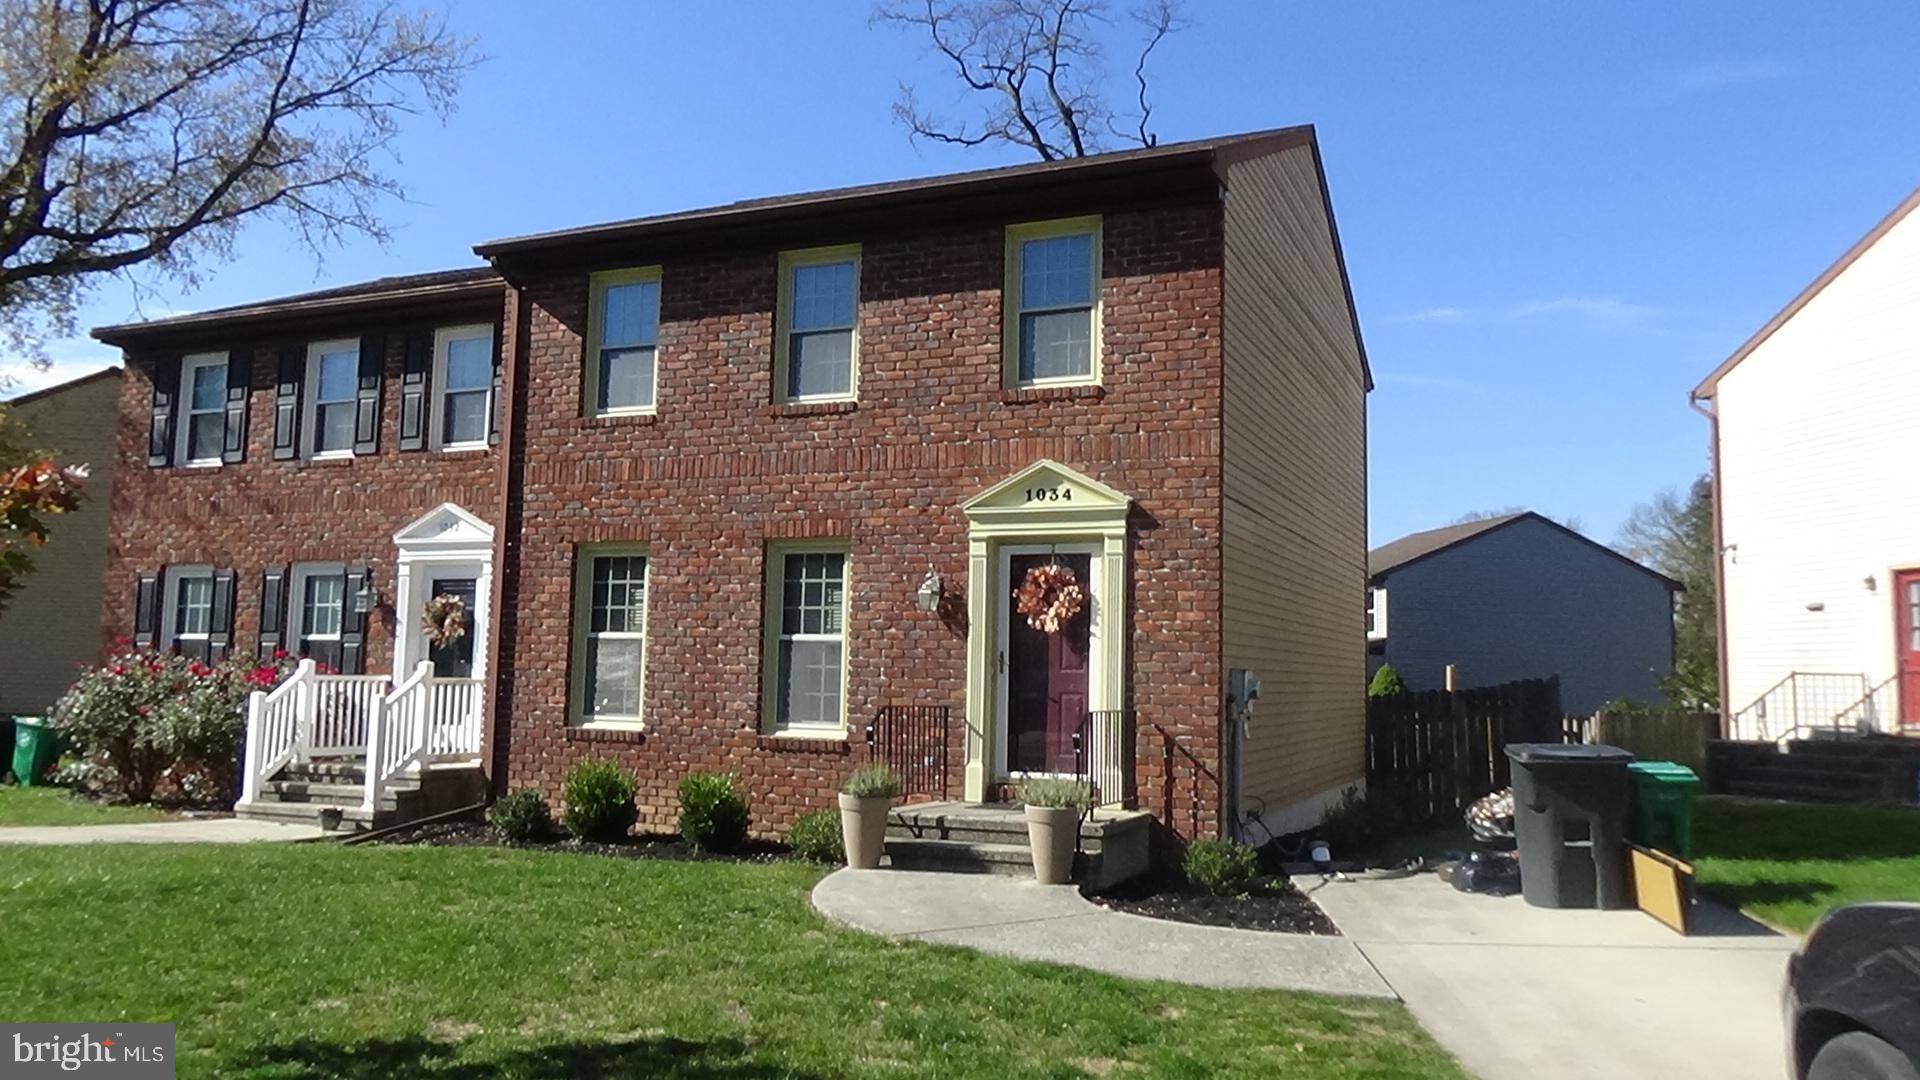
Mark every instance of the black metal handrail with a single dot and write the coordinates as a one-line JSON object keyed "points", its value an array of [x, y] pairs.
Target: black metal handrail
{"points": [[912, 740], [1103, 757]]}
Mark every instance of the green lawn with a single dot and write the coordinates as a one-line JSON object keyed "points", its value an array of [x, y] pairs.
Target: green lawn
{"points": [[1787, 863], [58, 806], [320, 961]]}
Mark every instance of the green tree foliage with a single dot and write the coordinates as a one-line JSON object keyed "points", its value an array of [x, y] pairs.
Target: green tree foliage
{"points": [[1386, 683], [1673, 533]]}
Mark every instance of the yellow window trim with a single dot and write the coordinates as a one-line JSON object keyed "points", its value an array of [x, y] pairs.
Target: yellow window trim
{"points": [[597, 284], [783, 313], [772, 606], [582, 617], [1010, 294]]}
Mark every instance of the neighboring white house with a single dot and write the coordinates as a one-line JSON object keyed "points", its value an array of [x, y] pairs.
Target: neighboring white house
{"points": [[1816, 427]]}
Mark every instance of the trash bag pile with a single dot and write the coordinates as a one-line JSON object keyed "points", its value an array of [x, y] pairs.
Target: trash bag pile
{"points": [[1491, 818], [1496, 873]]}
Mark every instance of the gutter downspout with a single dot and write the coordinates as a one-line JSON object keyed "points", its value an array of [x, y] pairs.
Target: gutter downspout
{"points": [[1719, 556]]}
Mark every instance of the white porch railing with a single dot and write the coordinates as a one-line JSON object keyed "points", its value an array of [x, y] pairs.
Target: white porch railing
{"points": [[394, 730]]}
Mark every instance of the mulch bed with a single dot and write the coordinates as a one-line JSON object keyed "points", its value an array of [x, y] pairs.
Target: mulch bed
{"points": [[1273, 904], [480, 834]]}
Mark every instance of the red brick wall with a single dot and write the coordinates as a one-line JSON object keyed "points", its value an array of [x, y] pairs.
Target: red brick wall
{"points": [[720, 471], [259, 513]]}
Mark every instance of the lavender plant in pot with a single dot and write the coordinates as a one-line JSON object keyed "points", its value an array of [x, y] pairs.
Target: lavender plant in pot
{"points": [[1053, 809], [865, 802]]}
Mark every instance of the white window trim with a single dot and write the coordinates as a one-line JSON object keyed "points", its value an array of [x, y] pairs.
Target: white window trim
{"points": [[773, 608], [783, 322], [297, 602], [1013, 309], [583, 618], [1377, 612], [597, 285], [443, 339], [310, 403], [183, 417], [170, 603]]}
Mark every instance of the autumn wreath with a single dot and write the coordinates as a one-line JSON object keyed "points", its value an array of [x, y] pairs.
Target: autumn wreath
{"points": [[1049, 597], [444, 619]]}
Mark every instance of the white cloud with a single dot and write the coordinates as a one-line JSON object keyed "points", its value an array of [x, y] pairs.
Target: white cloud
{"points": [[1605, 310], [19, 377], [1435, 314], [1714, 76], [1423, 382]]}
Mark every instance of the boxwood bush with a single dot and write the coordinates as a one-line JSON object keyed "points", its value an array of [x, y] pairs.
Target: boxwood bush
{"points": [[598, 797], [521, 815], [713, 812], [1222, 867], [816, 837]]}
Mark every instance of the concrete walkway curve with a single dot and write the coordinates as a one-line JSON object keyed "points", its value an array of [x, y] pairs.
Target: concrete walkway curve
{"points": [[184, 831], [1055, 924]]}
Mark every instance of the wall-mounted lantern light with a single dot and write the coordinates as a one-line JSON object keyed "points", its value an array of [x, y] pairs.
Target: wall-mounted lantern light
{"points": [[927, 597], [368, 597]]}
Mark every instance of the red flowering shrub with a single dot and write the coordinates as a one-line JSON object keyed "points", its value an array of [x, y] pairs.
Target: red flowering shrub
{"points": [[144, 715]]}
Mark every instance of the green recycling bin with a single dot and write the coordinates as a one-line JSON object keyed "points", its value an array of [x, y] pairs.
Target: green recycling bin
{"points": [[36, 746], [1663, 806]]}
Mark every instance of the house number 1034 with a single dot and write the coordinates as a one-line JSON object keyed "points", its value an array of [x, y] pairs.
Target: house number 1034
{"points": [[1050, 494]]}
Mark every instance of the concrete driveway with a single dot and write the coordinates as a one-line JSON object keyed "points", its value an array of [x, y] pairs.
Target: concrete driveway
{"points": [[1519, 992]]}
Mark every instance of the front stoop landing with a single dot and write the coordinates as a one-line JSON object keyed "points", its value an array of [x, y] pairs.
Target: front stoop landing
{"points": [[973, 838]]}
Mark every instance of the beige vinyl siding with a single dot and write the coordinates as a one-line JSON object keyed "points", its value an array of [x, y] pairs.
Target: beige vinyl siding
{"points": [[1295, 489], [51, 628]]}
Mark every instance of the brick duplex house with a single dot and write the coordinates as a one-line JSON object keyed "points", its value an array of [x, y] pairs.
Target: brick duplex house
{"points": [[753, 487]]}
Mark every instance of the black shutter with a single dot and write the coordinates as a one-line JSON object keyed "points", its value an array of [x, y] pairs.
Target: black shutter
{"points": [[493, 400], [366, 416], [353, 624], [146, 611], [233, 446], [286, 401], [220, 633], [273, 611], [416, 373], [166, 399]]}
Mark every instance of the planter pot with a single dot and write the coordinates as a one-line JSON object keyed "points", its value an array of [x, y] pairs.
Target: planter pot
{"points": [[1053, 833], [330, 819], [863, 829]]}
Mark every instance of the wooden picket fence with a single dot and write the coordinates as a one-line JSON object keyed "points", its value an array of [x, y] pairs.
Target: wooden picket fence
{"points": [[1441, 749]]}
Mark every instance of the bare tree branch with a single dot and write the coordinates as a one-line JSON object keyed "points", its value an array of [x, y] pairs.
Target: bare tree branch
{"points": [[146, 133], [1038, 67]]}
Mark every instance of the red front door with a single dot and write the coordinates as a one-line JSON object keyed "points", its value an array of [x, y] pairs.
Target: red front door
{"points": [[1906, 624], [1046, 677]]}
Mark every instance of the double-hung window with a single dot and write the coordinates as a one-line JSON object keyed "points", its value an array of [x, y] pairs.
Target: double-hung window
{"points": [[203, 421], [1053, 303], [188, 612], [319, 610], [815, 354], [463, 376], [623, 316], [610, 634], [1376, 614], [807, 637], [333, 385]]}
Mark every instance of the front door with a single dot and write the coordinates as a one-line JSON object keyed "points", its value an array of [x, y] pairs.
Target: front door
{"points": [[1047, 675], [1907, 624], [454, 659]]}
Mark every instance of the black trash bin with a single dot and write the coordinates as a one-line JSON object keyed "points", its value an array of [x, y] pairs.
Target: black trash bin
{"points": [[1570, 806]]}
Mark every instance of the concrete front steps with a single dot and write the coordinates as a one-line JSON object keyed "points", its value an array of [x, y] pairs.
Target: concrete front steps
{"points": [[1824, 770], [301, 791], [970, 838]]}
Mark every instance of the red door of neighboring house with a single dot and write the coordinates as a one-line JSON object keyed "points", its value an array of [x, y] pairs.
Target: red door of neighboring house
{"points": [[1907, 625], [1046, 679]]}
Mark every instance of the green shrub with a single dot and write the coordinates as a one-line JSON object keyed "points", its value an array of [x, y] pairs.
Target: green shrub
{"points": [[598, 796], [875, 780], [816, 837], [1362, 823], [1054, 792], [713, 813], [521, 815], [1386, 683], [1222, 867]]}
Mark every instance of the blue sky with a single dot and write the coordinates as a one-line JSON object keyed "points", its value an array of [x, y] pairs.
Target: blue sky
{"points": [[1557, 216]]}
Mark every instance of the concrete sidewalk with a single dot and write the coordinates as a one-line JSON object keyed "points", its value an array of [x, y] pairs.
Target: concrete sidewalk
{"points": [[1018, 918], [1519, 992], [184, 831]]}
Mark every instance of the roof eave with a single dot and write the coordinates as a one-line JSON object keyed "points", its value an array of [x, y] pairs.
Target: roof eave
{"points": [[265, 315]]}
